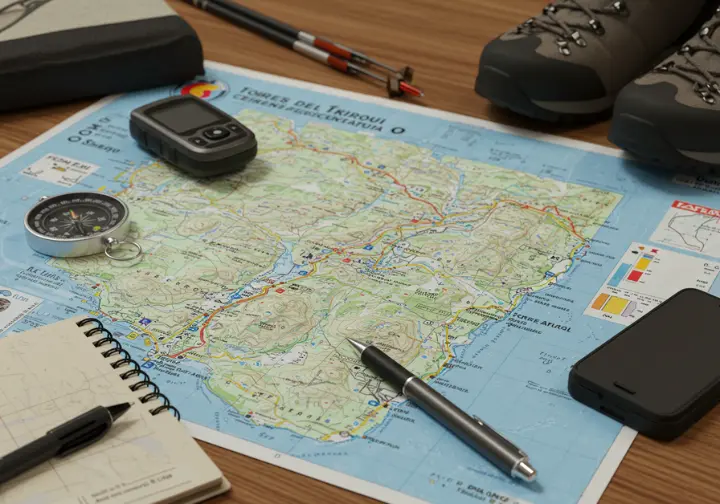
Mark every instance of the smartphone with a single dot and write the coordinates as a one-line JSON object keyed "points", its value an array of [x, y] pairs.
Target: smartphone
{"points": [[660, 375]]}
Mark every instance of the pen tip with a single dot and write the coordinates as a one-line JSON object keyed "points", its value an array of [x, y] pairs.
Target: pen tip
{"points": [[525, 472], [118, 410], [357, 345]]}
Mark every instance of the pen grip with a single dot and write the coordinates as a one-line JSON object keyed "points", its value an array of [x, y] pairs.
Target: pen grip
{"points": [[28, 456], [82, 430], [479, 436]]}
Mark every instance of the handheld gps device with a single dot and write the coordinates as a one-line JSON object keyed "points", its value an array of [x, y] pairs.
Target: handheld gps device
{"points": [[193, 135]]}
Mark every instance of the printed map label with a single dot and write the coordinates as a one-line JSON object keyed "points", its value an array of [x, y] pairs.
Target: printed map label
{"points": [[690, 227], [701, 182], [59, 170]]}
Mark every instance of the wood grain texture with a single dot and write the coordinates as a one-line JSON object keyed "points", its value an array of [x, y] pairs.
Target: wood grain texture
{"points": [[442, 40]]}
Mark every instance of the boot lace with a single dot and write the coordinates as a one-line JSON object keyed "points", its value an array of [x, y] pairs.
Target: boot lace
{"points": [[570, 32], [704, 81]]}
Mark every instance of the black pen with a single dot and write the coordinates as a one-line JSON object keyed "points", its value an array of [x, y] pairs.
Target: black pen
{"points": [[63, 440], [480, 436]]}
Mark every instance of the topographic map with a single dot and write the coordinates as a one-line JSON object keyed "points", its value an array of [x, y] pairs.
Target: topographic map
{"points": [[262, 276], [465, 252]]}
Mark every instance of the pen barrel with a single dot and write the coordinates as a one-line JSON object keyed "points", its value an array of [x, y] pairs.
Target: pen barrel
{"points": [[479, 436], [82, 430], [385, 367], [28, 456]]}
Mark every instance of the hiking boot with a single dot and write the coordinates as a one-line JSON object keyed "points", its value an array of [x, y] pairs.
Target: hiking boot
{"points": [[672, 114], [573, 60]]}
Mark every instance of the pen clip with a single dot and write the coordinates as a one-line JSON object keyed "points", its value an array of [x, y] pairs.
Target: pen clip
{"points": [[522, 453]]}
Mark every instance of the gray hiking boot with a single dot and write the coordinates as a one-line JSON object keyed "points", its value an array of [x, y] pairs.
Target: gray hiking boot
{"points": [[573, 60], [672, 114]]}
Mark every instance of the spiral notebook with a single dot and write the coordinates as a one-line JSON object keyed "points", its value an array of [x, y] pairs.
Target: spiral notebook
{"points": [[51, 374]]}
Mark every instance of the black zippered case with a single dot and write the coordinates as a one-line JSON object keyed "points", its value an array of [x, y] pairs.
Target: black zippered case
{"points": [[65, 50]]}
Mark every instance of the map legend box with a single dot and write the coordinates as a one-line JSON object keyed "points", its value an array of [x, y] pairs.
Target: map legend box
{"points": [[642, 280]]}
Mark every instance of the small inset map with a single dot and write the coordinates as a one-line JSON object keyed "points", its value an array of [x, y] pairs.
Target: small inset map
{"points": [[14, 305], [645, 277], [59, 170], [690, 227]]}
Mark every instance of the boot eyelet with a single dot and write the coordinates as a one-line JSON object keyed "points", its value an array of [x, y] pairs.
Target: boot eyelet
{"points": [[578, 39], [621, 7], [597, 26], [705, 92], [563, 47]]}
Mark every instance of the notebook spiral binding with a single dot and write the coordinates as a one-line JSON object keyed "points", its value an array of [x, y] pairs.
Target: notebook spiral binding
{"points": [[126, 360]]}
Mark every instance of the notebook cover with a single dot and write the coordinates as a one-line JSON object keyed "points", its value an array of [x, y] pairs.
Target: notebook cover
{"points": [[52, 374], [71, 49]]}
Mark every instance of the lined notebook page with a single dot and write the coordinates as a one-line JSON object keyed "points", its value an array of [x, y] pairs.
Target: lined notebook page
{"points": [[50, 375]]}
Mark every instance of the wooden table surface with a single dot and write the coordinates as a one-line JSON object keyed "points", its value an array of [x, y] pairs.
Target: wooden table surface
{"points": [[442, 40]]}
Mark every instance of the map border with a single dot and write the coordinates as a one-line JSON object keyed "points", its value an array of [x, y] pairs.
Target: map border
{"points": [[615, 453]]}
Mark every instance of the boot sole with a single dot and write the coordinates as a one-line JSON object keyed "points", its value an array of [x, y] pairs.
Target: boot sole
{"points": [[646, 141], [502, 90]]}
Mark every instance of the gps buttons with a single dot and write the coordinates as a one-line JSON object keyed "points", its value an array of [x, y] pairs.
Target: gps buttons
{"points": [[216, 133], [235, 128], [198, 141]]}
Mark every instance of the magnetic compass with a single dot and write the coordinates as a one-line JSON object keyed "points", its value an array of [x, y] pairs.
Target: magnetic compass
{"points": [[79, 224]]}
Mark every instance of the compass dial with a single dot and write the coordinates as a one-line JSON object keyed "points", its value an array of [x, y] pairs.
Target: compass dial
{"points": [[76, 216]]}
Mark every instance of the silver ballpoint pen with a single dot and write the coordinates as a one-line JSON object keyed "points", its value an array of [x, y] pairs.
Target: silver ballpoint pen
{"points": [[490, 444]]}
